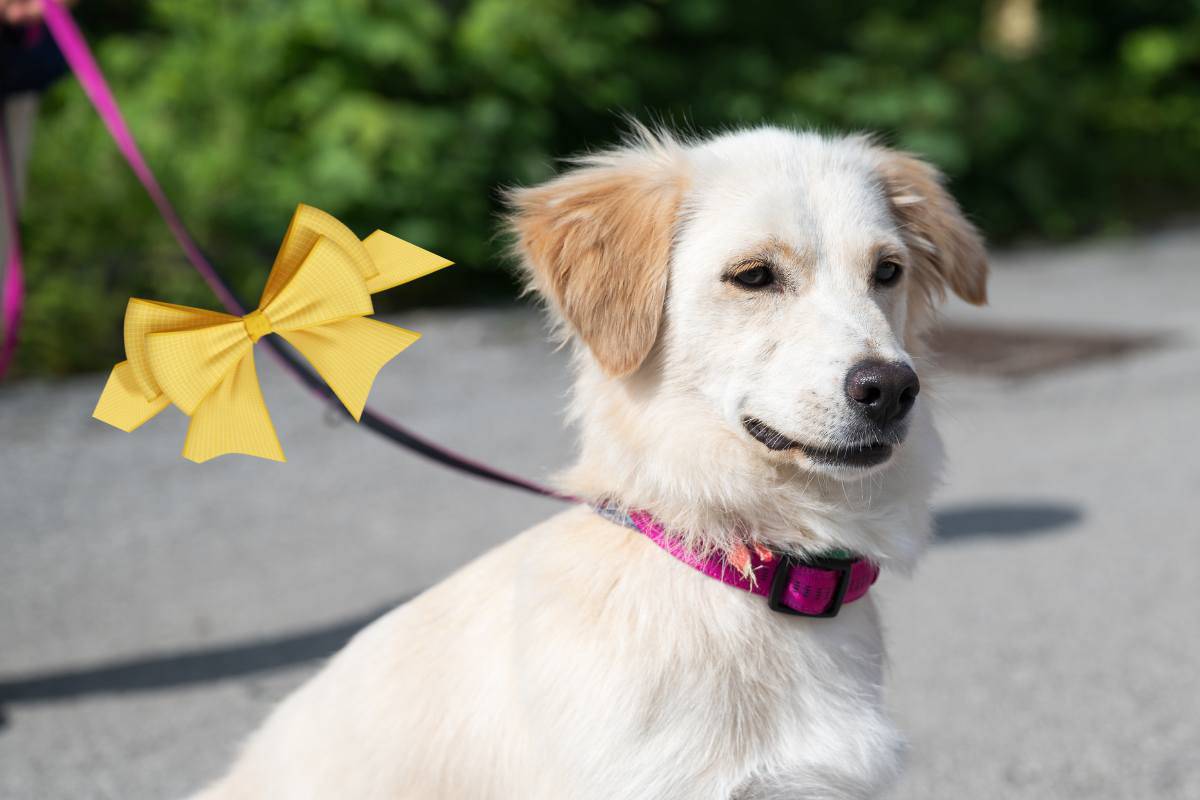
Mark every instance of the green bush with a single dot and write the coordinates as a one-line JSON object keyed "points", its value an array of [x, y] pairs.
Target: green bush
{"points": [[408, 115]]}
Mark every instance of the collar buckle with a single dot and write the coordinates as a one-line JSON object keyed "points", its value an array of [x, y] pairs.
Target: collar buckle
{"points": [[782, 579]]}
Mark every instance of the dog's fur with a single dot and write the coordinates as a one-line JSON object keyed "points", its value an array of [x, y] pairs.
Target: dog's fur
{"points": [[579, 660]]}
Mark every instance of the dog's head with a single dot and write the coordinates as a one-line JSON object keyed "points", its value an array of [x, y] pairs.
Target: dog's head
{"points": [[763, 289]]}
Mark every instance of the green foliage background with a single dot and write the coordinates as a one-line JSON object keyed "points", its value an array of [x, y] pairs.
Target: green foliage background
{"points": [[408, 115]]}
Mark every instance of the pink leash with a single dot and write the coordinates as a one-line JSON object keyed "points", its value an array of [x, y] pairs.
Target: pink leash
{"points": [[79, 57], [13, 301]]}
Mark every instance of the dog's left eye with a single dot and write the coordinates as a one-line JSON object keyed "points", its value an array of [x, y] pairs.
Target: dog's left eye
{"points": [[887, 273], [755, 277]]}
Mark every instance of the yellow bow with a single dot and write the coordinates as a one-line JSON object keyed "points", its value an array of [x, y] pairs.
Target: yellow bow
{"points": [[317, 297]]}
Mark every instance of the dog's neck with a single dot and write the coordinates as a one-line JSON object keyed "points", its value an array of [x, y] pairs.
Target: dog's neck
{"points": [[705, 481]]}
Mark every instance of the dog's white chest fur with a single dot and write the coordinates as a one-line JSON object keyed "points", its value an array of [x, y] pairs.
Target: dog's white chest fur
{"points": [[707, 692], [630, 677]]}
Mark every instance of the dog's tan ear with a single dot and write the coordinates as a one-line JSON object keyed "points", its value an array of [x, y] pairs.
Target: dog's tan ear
{"points": [[948, 248], [596, 243]]}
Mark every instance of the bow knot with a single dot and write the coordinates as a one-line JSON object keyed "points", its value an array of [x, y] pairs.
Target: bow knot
{"points": [[317, 297], [257, 324]]}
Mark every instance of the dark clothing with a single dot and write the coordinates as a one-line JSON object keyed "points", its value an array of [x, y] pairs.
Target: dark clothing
{"points": [[29, 60]]}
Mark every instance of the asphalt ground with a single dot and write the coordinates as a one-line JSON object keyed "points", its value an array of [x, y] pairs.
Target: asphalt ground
{"points": [[153, 610]]}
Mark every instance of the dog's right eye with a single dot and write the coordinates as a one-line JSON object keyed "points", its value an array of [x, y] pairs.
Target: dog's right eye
{"points": [[756, 277]]}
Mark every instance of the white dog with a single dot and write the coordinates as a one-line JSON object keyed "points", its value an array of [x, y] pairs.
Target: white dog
{"points": [[747, 309]]}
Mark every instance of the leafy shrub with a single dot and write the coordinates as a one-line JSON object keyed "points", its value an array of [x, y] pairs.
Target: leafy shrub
{"points": [[408, 115]]}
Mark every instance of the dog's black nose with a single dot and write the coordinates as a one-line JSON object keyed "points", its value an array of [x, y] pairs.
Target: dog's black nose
{"points": [[883, 391]]}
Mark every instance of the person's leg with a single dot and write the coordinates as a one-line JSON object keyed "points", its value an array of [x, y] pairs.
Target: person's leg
{"points": [[19, 111]]}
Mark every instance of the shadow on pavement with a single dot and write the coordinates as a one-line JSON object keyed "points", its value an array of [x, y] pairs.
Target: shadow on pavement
{"points": [[1002, 519], [236, 660], [1028, 352], [199, 666]]}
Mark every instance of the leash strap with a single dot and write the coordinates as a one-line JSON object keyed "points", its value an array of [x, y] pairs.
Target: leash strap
{"points": [[83, 64], [79, 57], [12, 300]]}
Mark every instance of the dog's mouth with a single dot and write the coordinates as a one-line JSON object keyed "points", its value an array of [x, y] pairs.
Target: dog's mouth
{"points": [[863, 454]]}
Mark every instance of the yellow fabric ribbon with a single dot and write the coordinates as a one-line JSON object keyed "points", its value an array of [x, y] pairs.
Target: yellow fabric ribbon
{"points": [[317, 297]]}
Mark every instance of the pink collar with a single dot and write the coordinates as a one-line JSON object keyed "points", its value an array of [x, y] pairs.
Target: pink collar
{"points": [[806, 587]]}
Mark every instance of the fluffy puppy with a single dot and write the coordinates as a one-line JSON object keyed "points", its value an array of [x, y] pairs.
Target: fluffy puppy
{"points": [[746, 311]]}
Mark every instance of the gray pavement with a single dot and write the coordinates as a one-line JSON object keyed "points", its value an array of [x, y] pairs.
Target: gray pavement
{"points": [[152, 610]]}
